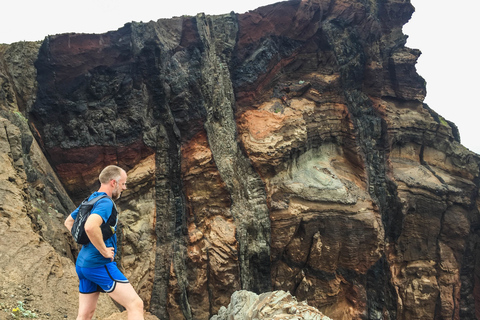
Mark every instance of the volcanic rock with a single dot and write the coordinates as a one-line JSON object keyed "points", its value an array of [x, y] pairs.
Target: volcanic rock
{"points": [[284, 149], [246, 305]]}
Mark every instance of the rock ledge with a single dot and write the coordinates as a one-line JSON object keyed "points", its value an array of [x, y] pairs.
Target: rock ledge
{"points": [[276, 305]]}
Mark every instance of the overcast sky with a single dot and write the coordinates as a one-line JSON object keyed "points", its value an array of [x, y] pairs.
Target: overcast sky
{"points": [[445, 32]]}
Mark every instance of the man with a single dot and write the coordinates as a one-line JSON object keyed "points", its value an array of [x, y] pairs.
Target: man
{"points": [[95, 267]]}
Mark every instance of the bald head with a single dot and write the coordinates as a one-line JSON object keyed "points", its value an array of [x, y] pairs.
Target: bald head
{"points": [[113, 181], [110, 173]]}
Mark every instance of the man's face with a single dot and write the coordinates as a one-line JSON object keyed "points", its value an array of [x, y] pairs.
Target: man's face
{"points": [[120, 185]]}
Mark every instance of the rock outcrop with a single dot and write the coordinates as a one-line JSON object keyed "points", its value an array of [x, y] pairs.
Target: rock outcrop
{"points": [[287, 148], [278, 305]]}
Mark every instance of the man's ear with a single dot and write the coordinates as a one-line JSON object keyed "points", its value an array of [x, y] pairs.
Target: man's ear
{"points": [[112, 183]]}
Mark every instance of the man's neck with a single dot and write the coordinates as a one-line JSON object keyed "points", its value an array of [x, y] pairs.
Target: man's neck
{"points": [[105, 190]]}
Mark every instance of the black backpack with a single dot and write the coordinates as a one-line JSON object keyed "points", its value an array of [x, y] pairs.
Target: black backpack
{"points": [[78, 228]]}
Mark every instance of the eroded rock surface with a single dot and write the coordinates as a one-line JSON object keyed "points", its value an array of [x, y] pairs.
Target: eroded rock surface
{"points": [[287, 148], [246, 305], [36, 253]]}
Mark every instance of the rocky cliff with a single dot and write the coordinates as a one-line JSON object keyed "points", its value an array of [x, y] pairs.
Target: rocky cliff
{"points": [[287, 148]]}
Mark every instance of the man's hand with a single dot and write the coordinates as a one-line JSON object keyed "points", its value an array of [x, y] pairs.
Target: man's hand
{"points": [[109, 253]]}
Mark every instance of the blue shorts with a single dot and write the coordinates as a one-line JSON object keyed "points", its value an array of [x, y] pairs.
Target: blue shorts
{"points": [[100, 279]]}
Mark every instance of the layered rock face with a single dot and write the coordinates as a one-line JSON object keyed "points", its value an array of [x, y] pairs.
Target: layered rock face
{"points": [[36, 252], [287, 148]]}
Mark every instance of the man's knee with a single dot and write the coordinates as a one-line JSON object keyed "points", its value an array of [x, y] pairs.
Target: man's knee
{"points": [[138, 303], [135, 304], [85, 315]]}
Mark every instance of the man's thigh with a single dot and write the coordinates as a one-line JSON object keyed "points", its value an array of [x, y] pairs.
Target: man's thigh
{"points": [[124, 294], [87, 302]]}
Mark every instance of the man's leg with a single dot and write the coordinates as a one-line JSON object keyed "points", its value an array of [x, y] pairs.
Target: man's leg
{"points": [[87, 302], [129, 299]]}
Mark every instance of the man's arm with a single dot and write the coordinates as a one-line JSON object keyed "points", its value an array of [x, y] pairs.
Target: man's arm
{"points": [[69, 222], [94, 233]]}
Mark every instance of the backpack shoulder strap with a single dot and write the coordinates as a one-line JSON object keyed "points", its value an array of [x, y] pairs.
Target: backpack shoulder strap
{"points": [[114, 208], [94, 200], [109, 227]]}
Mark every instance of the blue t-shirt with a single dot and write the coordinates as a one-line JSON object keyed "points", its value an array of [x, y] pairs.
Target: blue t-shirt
{"points": [[89, 256]]}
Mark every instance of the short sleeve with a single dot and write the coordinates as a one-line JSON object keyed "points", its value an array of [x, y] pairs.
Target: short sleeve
{"points": [[103, 208], [74, 213]]}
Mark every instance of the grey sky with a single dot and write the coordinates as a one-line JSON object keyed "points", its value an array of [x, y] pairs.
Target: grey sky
{"points": [[446, 33]]}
